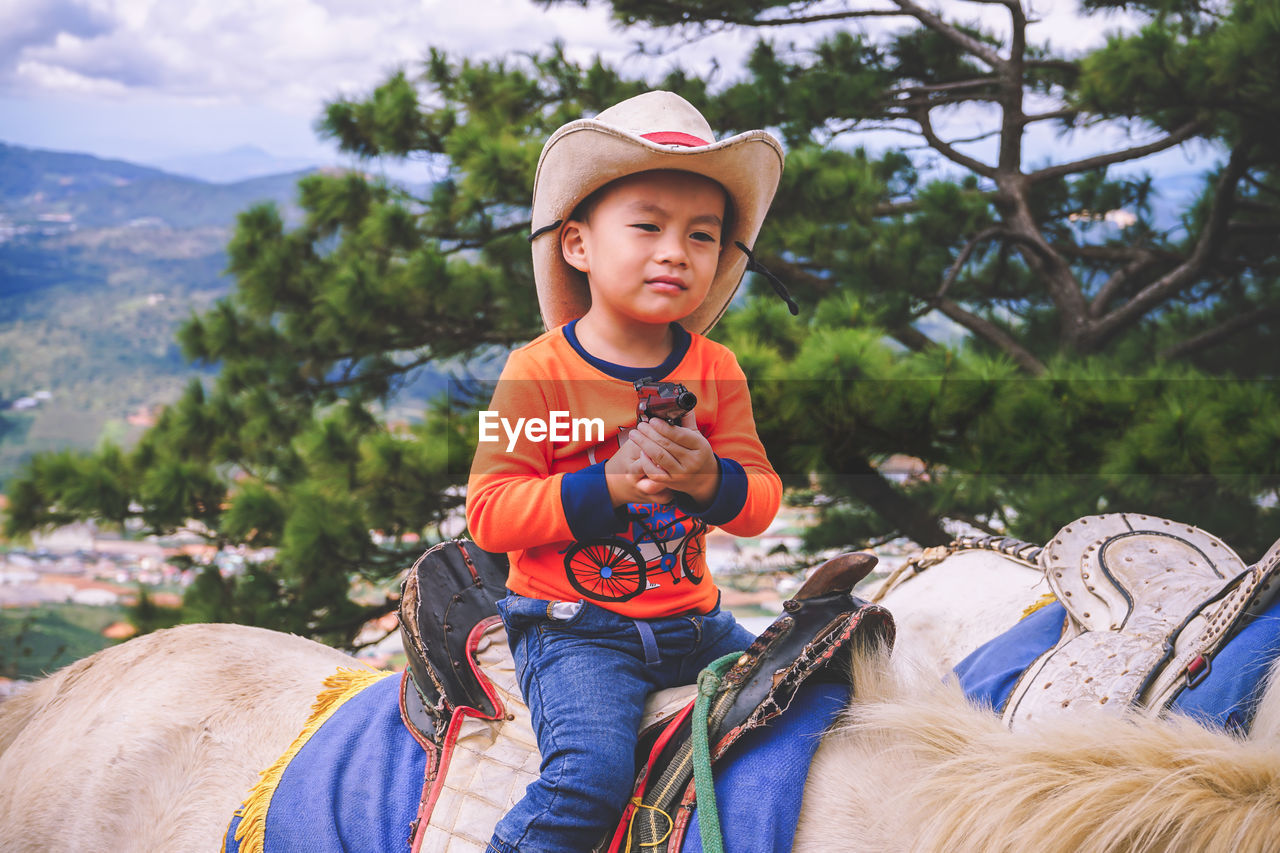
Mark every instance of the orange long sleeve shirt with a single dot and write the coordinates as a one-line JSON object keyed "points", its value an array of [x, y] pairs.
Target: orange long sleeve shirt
{"points": [[539, 492]]}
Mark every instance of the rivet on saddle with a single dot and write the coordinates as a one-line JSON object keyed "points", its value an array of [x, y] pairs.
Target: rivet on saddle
{"points": [[1149, 601], [461, 701]]}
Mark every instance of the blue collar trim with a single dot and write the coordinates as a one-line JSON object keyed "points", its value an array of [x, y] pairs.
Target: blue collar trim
{"points": [[631, 374]]}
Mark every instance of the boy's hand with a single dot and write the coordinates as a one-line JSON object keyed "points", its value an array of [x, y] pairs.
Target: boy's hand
{"points": [[625, 474], [678, 458]]}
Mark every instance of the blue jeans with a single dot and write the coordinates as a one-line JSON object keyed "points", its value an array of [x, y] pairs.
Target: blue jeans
{"points": [[585, 680]]}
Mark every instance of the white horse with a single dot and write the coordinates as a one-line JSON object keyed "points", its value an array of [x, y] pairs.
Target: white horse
{"points": [[151, 745]]}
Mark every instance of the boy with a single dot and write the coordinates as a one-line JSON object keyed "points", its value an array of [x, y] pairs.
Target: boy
{"points": [[636, 215]]}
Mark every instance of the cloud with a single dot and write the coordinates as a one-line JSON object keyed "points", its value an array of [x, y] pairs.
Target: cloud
{"points": [[26, 24], [288, 53], [295, 54], [265, 68]]}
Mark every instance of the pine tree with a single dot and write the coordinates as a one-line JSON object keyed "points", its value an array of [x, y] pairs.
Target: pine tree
{"points": [[1082, 367]]}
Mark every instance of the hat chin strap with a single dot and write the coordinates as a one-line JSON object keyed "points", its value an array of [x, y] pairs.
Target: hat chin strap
{"points": [[778, 287], [538, 232]]}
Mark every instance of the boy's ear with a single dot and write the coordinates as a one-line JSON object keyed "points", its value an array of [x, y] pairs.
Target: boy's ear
{"points": [[573, 246]]}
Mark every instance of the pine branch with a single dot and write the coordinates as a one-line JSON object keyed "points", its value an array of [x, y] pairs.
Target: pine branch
{"points": [[907, 105], [993, 334], [366, 614], [963, 40], [963, 258], [1207, 247], [943, 87], [893, 208], [1118, 279], [1060, 64], [1117, 254], [1260, 186], [1089, 164], [1050, 116], [1218, 333], [1253, 227], [357, 647], [1253, 204], [813, 19], [978, 138], [899, 509], [912, 338], [945, 149], [1018, 37]]}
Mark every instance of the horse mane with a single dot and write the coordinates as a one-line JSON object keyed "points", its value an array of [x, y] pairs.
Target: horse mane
{"points": [[941, 774]]}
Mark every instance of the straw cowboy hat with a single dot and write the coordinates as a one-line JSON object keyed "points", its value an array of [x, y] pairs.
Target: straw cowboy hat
{"points": [[656, 130]]}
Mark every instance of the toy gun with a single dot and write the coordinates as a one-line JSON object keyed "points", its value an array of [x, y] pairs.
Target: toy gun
{"points": [[669, 401]]}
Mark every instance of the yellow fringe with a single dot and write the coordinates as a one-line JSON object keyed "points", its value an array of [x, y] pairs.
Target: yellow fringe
{"points": [[1043, 601], [338, 688]]}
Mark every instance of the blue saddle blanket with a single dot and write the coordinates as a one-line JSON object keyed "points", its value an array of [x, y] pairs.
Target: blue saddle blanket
{"points": [[1227, 697], [356, 782], [759, 782], [354, 785]]}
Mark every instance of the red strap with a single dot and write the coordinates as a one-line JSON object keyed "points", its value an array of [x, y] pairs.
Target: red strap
{"points": [[675, 137], [620, 834]]}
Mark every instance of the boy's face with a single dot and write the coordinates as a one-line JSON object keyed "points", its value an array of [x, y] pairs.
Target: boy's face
{"points": [[650, 247]]}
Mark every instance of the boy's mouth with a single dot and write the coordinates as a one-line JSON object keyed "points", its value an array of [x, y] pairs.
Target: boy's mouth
{"points": [[666, 284]]}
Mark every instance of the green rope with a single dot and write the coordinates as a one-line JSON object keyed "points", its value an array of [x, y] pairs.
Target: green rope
{"points": [[703, 784]]}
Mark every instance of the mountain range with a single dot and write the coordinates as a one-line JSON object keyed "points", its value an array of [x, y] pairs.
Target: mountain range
{"points": [[100, 262], [236, 164]]}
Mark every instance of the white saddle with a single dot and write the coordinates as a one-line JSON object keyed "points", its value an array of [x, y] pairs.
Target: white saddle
{"points": [[1148, 602]]}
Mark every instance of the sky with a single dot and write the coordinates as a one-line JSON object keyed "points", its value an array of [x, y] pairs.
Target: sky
{"points": [[154, 80]]}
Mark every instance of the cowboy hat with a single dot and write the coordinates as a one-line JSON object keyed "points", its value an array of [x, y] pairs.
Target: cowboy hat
{"points": [[656, 130]]}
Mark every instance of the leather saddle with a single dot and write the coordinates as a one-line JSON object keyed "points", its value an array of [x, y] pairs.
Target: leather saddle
{"points": [[461, 701], [1149, 601]]}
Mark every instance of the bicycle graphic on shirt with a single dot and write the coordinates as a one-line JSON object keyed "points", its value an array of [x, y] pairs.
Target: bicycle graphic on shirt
{"points": [[617, 569]]}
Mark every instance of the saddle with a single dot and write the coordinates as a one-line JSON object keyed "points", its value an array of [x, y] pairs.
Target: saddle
{"points": [[461, 700], [1149, 602]]}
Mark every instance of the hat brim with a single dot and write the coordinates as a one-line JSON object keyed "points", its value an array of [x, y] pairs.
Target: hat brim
{"points": [[585, 155]]}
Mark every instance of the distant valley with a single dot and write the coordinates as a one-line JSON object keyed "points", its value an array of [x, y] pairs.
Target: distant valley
{"points": [[100, 262]]}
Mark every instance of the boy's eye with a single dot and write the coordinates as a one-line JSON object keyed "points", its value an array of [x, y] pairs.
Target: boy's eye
{"points": [[703, 236], [645, 226]]}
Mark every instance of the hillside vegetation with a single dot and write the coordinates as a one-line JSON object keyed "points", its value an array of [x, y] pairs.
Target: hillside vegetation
{"points": [[100, 261]]}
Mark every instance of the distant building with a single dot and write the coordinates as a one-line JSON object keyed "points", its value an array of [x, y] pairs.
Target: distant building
{"points": [[119, 631], [10, 687], [95, 597], [17, 575], [901, 468]]}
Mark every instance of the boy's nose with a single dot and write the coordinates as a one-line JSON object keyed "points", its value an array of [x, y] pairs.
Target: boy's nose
{"points": [[671, 251]]}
